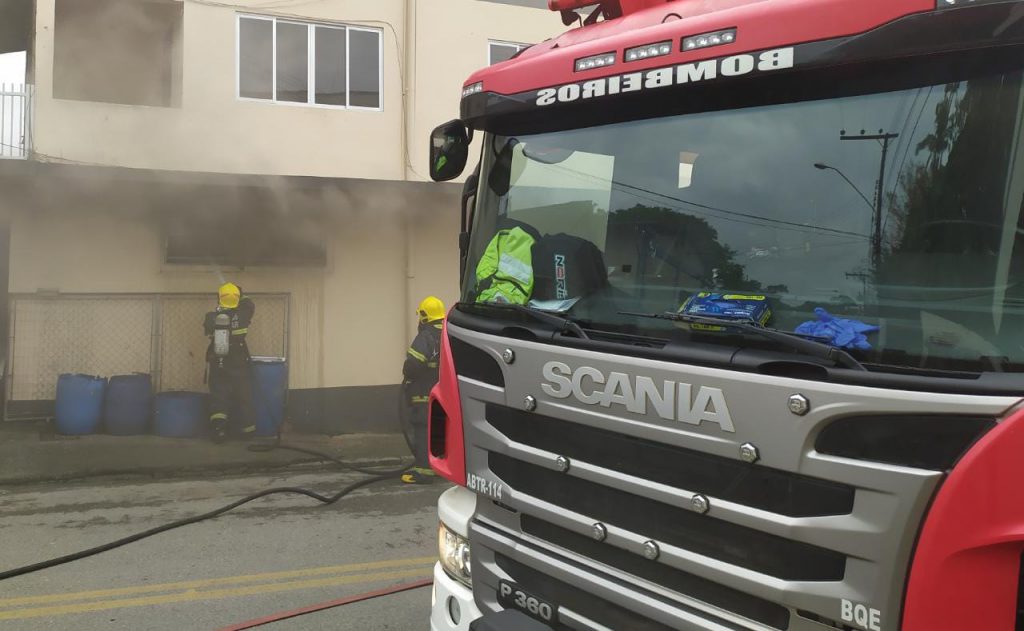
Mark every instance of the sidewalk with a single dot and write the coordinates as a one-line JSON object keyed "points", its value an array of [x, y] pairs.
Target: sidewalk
{"points": [[29, 454]]}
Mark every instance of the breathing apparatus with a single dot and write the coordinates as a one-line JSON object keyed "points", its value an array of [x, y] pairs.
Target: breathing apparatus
{"points": [[221, 337]]}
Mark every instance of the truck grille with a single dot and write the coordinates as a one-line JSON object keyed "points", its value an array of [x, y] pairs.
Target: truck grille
{"points": [[829, 511], [779, 492], [681, 527], [581, 602], [763, 611]]}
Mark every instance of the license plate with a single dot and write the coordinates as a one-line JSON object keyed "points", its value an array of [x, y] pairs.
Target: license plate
{"points": [[511, 596]]}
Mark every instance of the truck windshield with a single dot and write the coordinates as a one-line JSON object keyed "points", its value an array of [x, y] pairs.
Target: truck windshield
{"points": [[783, 201]]}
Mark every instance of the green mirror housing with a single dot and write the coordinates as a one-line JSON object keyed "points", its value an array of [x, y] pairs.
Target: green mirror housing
{"points": [[449, 150]]}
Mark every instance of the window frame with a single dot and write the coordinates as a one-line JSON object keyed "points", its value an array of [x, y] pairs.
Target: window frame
{"points": [[519, 46], [311, 30]]}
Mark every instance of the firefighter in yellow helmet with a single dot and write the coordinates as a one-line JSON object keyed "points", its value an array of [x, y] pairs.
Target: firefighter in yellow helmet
{"points": [[420, 375], [231, 406]]}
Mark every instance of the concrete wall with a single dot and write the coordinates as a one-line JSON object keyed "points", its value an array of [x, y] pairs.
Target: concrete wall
{"points": [[350, 322], [390, 240], [451, 42], [212, 130]]}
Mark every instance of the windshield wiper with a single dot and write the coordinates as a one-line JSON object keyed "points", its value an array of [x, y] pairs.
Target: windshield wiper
{"points": [[794, 341], [565, 325]]}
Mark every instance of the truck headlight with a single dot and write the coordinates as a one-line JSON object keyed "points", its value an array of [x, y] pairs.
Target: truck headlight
{"points": [[453, 550]]}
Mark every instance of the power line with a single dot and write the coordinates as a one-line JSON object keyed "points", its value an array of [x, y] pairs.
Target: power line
{"points": [[791, 225], [906, 151]]}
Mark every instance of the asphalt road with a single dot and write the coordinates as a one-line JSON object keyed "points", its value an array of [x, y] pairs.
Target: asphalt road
{"points": [[276, 554]]}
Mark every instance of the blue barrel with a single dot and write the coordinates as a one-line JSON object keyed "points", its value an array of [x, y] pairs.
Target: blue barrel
{"points": [[269, 393], [128, 405], [79, 404], [179, 414]]}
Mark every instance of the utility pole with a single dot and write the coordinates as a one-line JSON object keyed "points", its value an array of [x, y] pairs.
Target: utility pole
{"points": [[883, 138], [863, 277]]}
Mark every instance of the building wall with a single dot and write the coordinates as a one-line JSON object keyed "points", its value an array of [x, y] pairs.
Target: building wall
{"points": [[349, 322], [391, 240], [212, 130], [451, 43], [450, 40]]}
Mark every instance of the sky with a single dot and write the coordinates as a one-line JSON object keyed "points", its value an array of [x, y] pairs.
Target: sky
{"points": [[12, 68]]}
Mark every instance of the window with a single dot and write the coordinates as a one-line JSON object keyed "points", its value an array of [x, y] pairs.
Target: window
{"points": [[503, 51], [315, 64], [118, 51], [246, 226]]}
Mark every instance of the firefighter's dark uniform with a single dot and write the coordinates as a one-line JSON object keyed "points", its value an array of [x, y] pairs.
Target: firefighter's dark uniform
{"points": [[420, 371], [231, 406]]}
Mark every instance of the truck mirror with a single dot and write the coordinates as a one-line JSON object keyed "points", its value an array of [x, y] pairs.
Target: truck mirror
{"points": [[449, 150]]}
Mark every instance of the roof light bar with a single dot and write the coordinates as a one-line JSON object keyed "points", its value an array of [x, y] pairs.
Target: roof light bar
{"points": [[707, 40], [946, 4], [647, 51], [569, 5], [475, 88], [595, 61]]}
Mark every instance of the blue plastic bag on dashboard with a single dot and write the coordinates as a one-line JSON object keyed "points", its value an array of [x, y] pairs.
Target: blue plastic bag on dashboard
{"points": [[841, 332]]}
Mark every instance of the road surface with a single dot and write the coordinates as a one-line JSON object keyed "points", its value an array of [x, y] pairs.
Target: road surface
{"points": [[278, 553]]}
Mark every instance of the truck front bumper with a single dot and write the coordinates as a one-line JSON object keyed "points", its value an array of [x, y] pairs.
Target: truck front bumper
{"points": [[450, 596]]}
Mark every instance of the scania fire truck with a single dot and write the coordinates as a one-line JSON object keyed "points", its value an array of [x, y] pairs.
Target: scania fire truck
{"points": [[741, 337]]}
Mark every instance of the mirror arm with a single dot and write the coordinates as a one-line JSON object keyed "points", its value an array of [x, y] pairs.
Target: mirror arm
{"points": [[469, 190]]}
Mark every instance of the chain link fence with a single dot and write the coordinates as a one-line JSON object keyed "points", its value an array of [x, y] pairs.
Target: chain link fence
{"points": [[115, 335]]}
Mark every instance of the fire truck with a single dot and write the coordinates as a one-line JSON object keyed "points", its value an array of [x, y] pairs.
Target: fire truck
{"points": [[741, 337]]}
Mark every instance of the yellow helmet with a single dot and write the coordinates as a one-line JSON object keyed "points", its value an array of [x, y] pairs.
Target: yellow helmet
{"points": [[430, 309], [229, 295]]}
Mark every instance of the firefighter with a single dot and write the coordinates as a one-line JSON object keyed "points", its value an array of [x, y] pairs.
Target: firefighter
{"points": [[420, 375], [228, 363]]}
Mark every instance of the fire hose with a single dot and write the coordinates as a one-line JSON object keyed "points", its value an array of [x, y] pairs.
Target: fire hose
{"points": [[325, 500]]}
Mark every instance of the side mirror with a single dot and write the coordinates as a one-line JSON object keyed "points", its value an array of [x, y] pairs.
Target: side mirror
{"points": [[449, 150]]}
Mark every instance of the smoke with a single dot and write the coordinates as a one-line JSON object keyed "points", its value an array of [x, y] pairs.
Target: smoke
{"points": [[146, 199], [118, 51]]}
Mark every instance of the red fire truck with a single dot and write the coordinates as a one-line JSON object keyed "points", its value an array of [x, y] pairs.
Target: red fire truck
{"points": [[741, 337]]}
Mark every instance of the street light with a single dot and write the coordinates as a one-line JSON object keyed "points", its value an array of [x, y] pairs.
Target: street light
{"points": [[824, 167], [876, 212]]}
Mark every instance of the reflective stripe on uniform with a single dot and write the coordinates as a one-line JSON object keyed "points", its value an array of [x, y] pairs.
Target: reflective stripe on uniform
{"points": [[419, 399], [249, 429], [505, 270], [519, 270], [239, 331], [418, 355], [431, 364], [219, 416]]}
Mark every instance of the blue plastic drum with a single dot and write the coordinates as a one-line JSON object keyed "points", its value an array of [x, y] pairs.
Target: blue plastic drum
{"points": [[269, 393], [129, 404], [179, 414], [79, 404]]}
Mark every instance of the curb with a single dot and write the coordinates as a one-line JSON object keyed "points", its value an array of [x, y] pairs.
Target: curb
{"points": [[219, 470]]}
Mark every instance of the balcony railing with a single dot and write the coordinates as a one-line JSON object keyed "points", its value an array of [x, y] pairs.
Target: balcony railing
{"points": [[15, 121]]}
